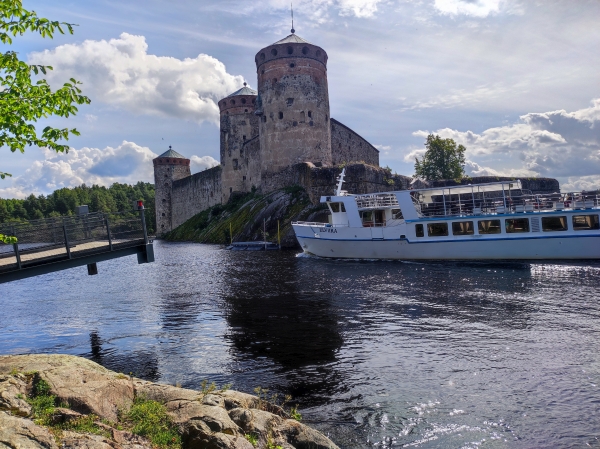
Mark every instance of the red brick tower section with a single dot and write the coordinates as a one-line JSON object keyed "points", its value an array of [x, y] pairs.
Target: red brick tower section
{"points": [[168, 167], [239, 126], [293, 104]]}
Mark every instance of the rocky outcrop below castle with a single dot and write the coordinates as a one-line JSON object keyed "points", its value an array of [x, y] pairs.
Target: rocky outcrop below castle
{"points": [[61, 401], [245, 218]]}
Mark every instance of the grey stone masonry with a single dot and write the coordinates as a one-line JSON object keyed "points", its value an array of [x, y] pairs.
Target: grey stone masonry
{"points": [[347, 146]]}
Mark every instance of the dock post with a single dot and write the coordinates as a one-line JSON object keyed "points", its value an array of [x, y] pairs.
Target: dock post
{"points": [[92, 269], [16, 248], [108, 233], [144, 225]]}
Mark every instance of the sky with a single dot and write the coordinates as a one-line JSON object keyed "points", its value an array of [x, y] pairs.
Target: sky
{"points": [[517, 82]]}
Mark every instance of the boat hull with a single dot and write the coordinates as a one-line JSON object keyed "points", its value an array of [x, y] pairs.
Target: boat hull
{"points": [[348, 243]]}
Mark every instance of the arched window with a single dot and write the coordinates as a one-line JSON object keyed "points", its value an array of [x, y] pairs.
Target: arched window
{"points": [[280, 115], [318, 53], [274, 52], [304, 50], [290, 50], [262, 56], [243, 101]]}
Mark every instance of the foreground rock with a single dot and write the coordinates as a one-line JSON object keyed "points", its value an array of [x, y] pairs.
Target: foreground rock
{"points": [[216, 420]]}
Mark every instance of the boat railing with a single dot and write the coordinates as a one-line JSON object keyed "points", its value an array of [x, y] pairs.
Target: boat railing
{"points": [[460, 205], [376, 200]]}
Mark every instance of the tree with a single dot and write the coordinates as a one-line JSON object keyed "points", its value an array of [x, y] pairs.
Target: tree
{"points": [[24, 101], [442, 160]]}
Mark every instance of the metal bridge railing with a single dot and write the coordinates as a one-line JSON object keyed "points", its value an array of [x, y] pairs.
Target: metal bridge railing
{"points": [[70, 237]]}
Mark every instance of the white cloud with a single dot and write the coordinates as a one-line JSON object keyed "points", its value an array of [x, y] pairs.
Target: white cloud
{"points": [[120, 72], [554, 144], [127, 163], [474, 8], [575, 184], [198, 163]]}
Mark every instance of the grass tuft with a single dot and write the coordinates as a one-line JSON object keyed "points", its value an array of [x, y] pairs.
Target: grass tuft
{"points": [[149, 419]]}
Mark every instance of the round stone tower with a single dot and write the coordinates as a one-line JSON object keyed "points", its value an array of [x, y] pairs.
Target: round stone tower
{"points": [[239, 134], [293, 104], [168, 167]]}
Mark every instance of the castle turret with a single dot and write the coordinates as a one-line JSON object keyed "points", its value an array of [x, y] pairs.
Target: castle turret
{"points": [[239, 138], [168, 167], [293, 104]]}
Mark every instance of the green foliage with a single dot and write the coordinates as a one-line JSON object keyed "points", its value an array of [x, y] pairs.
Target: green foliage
{"points": [[42, 402], [116, 198], [295, 414], [24, 101], [84, 424], [442, 160], [252, 439], [149, 419]]}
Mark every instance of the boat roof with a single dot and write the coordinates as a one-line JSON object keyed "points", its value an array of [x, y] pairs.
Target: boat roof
{"points": [[470, 188]]}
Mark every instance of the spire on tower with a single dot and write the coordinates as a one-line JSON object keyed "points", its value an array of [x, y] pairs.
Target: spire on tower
{"points": [[292, 9]]}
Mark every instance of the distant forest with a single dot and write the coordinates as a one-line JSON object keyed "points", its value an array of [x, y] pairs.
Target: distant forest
{"points": [[116, 198]]}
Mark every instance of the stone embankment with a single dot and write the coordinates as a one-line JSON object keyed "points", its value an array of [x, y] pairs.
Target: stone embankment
{"points": [[61, 401], [244, 216]]}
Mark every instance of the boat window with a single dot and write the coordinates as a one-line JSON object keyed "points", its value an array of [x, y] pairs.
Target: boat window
{"points": [[554, 224], [437, 229], [367, 217], [585, 222], [337, 207], [489, 226], [463, 228], [397, 214], [514, 225], [419, 230]]}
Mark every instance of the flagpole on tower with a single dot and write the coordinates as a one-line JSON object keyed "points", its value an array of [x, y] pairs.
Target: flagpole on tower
{"points": [[292, 9]]}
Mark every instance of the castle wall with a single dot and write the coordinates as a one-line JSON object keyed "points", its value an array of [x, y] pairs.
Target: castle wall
{"points": [[195, 193], [347, 146], [294, 105], [239, 126], [318, 181], [167, 171]]}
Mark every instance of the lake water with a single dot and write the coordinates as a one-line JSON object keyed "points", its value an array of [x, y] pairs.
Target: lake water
{"points": [[376, 354]]}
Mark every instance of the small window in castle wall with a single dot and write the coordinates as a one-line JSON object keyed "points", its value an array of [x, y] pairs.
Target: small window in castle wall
{"points": [[304, 50], [302, 117], [290, 50], [163, 214], [235, 164], [243, 101], [292, 65], [244, 178], [274, 80], [290, 101], [318, 53], [244, 137], [264, 117], [245, 110], [232, 101], [274, 52], [294, 123], [309, 114], [280, 115], [262, 56]]}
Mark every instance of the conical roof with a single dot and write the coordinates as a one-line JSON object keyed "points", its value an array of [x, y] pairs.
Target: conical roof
{"points": [[172, 154], [292, 39], [243, 91]]}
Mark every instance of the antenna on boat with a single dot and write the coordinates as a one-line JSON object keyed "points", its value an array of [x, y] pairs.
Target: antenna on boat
{"points": [[340, 181]]}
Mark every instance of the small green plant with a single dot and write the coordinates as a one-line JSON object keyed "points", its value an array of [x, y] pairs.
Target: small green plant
{"points": [[225, 388], [14, 372], [85, 424], [294, 414], [20, 396], [122, 376], [206, 388], [42, 402], [252, 439], [149, 419], [272, 445]]}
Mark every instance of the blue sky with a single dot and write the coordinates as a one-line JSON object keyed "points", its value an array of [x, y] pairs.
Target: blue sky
{"points": [[516, 82]]}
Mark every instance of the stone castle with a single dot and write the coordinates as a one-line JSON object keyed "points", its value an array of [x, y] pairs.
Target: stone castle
{"points": [[281, 135], [269, 139]]}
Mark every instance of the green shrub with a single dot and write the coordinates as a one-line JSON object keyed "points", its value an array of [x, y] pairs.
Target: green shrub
{"points": [[149, 419]]}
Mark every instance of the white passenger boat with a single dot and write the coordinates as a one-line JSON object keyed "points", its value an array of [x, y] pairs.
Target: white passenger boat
{"points": [[467, 222]]}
